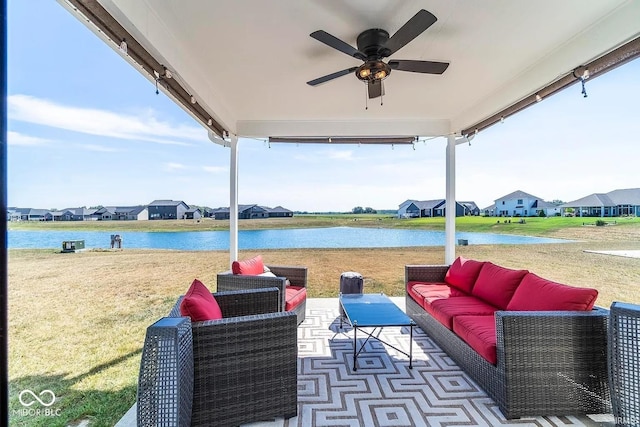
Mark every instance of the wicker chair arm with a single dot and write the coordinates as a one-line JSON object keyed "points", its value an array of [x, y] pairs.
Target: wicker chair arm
{"points": [[564, 350], [241, 302], [233, 282], [297, 275], [425, 273]]}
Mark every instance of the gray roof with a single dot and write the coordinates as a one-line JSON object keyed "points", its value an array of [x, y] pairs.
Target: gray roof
{"points": [[519, 195], [167, 203], [279, 209], [629, 196], [428, 204]]}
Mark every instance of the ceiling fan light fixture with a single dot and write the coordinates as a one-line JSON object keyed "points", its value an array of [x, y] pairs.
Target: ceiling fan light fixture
{"points": [[373, 71]]}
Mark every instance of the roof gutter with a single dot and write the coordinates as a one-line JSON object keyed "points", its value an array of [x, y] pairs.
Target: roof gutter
{"points": [[102, 20], [595, 68]]}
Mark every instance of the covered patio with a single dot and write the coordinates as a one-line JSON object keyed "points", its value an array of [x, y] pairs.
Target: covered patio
{"points": [[289, 72], [384, 391]]}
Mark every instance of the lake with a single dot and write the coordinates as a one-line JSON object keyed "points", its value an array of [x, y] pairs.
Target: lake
{"points": [[333, 237]]}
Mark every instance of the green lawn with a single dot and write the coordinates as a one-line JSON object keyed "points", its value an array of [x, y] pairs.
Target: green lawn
{"points": [[534, 226]]}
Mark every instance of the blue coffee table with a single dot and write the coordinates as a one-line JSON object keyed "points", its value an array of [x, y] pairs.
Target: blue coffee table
{"points": [[374, 311]]}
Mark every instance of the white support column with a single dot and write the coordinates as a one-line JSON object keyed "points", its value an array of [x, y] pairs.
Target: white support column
{"points": [[450, 214], [233, 201]]}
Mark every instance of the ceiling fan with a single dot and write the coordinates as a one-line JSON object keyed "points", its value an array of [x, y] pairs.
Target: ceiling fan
{"points": [[373, 46]]}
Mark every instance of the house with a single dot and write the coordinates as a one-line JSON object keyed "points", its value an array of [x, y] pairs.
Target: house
{"points": [[193, 213], [520, 203], [167, 209], [625, 202], [253, 212], [434, 208], [279, 212], [30, 214]]}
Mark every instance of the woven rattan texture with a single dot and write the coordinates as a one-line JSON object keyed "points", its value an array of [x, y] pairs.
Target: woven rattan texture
{"points": [[549, 363], [297, 276], [165, 383], [624, 363], [244, 366]]}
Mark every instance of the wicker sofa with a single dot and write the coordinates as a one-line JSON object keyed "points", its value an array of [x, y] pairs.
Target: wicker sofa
{"points": [[245, 364], [547, 362], [291, 282]]}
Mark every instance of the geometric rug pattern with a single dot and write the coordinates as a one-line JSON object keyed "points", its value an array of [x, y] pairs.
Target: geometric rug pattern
{"points": [[384, 391]]}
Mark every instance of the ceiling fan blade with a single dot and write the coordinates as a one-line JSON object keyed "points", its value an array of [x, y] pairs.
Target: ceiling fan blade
{"points": [[375, 89], [428, 67], [336, 43], [331, 76], [410, 30]]}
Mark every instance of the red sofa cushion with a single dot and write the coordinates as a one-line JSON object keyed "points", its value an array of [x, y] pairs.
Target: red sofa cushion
{"points": [[294, 295], [496, 284], [462, 274], [536, 293], [199, 304], [480, 333], [250, 266], [444, 310], [421, 290]]}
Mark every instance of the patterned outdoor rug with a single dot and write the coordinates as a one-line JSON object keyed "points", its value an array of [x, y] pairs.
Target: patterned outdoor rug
{"points": [[384, 391]]}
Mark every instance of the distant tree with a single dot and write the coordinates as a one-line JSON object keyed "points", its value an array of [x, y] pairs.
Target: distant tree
{"points": [[357, 210], [557, 202], [369, 210], [542, 213]]}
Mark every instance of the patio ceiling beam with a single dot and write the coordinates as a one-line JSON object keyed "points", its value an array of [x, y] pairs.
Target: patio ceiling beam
{"points": [[623, 54], [100, 21], [406, 140]]}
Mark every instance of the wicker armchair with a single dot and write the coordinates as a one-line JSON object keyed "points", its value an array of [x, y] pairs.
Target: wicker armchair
{"points": [[297, 276], [244, 365]]}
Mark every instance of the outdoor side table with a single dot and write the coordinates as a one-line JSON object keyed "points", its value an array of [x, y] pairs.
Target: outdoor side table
{"points": [[165, 383], [624, 363], [351, 282]]}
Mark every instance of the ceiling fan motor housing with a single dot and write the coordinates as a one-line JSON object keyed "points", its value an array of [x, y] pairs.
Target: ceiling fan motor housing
{"points": [[372, 43]]}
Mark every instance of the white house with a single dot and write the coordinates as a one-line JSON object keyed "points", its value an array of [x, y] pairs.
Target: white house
{"points": [[520, 203]]}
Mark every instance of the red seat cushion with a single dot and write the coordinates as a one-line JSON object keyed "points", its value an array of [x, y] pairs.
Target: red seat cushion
{"points": [[294, 295], [199, 304], [250, 266], [480, 333], [536, 293], [462, 274], [496, 284], [444, 310], [422, 292]]}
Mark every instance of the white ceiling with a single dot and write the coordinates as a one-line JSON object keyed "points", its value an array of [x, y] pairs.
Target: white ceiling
{"points": [[248, 61]]}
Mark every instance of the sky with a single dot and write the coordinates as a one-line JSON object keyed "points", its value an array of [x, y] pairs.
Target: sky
{"points": [[85, 128]]}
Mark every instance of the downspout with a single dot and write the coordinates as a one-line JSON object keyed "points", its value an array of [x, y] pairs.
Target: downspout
{"points": [[233, 200], [450, 213]]}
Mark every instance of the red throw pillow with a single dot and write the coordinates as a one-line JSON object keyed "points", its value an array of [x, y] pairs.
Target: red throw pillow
{"points": [[496, 284], [463, 274], [538, 294], [251, 266], [199, 304]]}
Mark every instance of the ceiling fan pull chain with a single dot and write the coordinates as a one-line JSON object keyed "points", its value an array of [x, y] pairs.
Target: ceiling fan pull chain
{"points": [[366, 96], [381, 92]]}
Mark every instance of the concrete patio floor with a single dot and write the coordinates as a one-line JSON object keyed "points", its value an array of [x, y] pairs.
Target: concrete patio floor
{"points": [[384, 391]]}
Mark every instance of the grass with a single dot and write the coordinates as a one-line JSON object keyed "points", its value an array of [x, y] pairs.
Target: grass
{"points": [[77, 321], [534, 226]]}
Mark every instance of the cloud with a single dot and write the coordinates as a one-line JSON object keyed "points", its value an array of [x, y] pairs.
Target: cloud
{"points": [[141, 127], [98, 148], [341, 155], [171, 167], [16, 138]]}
